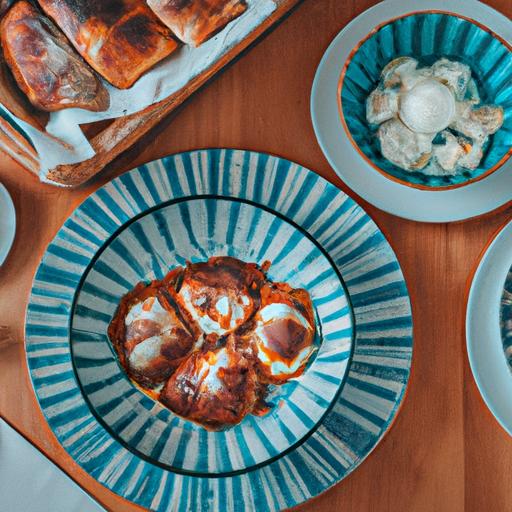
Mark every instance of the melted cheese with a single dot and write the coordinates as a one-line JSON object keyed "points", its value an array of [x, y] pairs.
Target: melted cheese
{"points": [[151, 310], [281, 366], [224, 306]]}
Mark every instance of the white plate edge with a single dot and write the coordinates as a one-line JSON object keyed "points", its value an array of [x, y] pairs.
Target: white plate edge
{"points": [[483, 334], [5, 246], [496, 185]]}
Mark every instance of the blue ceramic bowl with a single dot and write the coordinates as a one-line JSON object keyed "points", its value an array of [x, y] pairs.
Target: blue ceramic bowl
{"points": [[428, 36]]}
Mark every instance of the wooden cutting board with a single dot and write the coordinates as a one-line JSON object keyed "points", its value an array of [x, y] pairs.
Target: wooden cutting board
{"points": [[110, 138]]}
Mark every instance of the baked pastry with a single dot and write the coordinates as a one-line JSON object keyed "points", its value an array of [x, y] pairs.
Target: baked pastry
{"points": [[151, 335], [209, 339], [215, 388], [120, 39], [13, 99], [284, 332], [45, 66], [220, 294], [196, 21]]}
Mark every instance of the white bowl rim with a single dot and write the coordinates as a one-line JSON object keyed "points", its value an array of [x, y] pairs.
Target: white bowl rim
{"points": [[437, 205]]}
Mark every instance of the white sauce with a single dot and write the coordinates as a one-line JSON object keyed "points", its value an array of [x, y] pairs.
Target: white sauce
{"points": [[428, 107], [278, 311], [146, 351], [224, 306], [156, 313], [207, 324], [212, 381], [279, 368]]}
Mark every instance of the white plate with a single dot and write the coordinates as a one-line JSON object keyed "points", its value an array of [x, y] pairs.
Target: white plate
{"points": [[31, 482], [7, 223], [421, 205], [483, 333]]}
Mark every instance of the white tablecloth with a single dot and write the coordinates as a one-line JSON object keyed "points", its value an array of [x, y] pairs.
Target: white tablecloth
{"points": [[29, 482]]}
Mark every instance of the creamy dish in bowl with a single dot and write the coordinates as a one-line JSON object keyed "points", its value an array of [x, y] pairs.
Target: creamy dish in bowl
{"points": [[431, 119], [426, 100]]}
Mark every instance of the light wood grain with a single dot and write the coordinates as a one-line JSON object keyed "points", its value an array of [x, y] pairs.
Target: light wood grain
{"points": [[445, 452]]}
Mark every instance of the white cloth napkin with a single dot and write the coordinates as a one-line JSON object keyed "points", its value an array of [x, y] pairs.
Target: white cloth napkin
{"points": [[29, 482]]}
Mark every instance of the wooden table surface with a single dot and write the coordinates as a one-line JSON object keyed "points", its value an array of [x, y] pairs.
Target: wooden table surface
{"points": [[445, 452]]}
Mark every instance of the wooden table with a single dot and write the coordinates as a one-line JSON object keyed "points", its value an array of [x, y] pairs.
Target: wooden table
{"points": [[445, 451]]}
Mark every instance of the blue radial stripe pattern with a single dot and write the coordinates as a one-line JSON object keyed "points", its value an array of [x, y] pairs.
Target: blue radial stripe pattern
{"points": [[196, 229], [233, 183]]}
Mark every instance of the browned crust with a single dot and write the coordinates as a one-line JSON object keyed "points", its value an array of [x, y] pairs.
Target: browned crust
{"points": [[245, 382], [109, 142], [169, 300], [21, 33], [196, 21], [120, 39], [117, 329], [300, 300], [227, 406], [14, 100]]}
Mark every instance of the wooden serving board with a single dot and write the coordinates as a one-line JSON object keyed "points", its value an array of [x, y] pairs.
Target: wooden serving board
{"points": [[111, 138]]}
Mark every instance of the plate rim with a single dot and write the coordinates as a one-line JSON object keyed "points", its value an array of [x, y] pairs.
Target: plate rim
{"points": [[6, 199], [437, 206], [404, 357], [336, 395], [482, 326]]}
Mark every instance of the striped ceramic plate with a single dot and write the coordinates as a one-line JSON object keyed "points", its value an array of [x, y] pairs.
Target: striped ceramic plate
{"points": [[192, 206]]}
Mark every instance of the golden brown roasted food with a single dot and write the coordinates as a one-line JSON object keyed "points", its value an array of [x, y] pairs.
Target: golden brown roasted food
{"points": [[120, 39], [45, 66], [216, 389], [284, 332], [195, 21], [215, 334], [150, 334], [220, 294], [16, 102]]}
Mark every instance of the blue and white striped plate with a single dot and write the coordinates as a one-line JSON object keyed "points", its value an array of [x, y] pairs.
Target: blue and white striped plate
{"points": [[196, 229], [192, 206]]}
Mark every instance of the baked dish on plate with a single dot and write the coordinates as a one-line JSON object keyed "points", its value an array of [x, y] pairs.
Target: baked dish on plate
{"points": [[209, 339], [150, 411]]}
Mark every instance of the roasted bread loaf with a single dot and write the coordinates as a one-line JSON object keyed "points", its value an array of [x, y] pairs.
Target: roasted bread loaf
{"points": [[16, 102], [120, 39], [45, 66], [195, 21]]}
